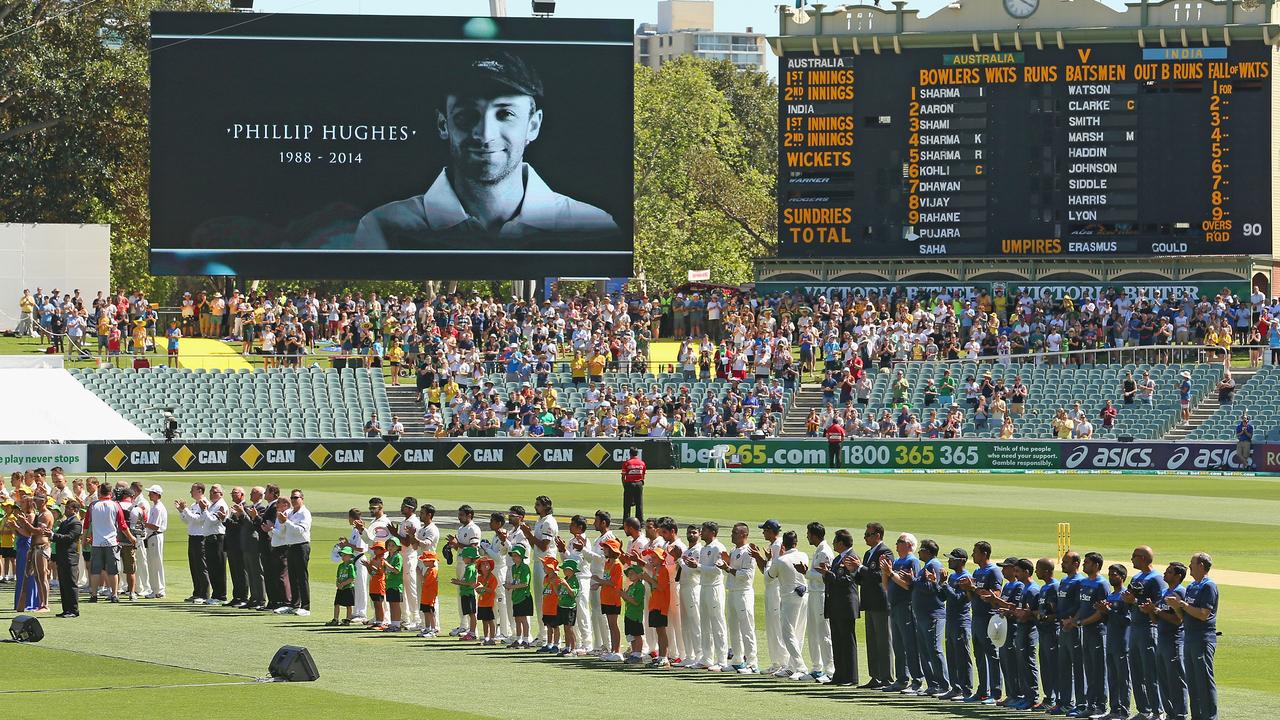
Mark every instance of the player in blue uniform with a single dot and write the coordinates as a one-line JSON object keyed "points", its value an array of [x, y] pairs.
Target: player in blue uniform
{"points": [[1010, 597], [1089, 619], [1169, 669], [959, 627], [1199, 611], [1026, 637], [982, 589], [1047, 627], [929, 608], [906, 658], [1145, 587], [1070, 655], [1117, 643]]}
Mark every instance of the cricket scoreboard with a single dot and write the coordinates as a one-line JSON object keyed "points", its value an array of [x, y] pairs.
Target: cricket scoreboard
{"points": [[1108, 149]]}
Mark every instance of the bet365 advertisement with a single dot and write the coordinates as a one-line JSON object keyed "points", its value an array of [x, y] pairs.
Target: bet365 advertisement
{"points": [[327, 146]]}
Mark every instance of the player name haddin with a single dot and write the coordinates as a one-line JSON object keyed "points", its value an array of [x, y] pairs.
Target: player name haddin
{"points": [[294, 131], [1087, 152]]}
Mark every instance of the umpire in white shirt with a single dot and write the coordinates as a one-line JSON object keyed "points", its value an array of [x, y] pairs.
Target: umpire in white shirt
{"points": [[296, 526], [156, 525]]}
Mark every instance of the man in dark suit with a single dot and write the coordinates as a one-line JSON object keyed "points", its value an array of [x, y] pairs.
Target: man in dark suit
{"points": [[840, 606], [234, 546], [66, 538], [875, 606], [251, 549]]}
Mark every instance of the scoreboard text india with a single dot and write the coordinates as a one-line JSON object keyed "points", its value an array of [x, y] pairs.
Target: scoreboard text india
{"points": [[1088, 150]]}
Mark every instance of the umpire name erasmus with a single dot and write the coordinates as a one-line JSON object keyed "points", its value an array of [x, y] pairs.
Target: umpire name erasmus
{"points": [[491, 111]]}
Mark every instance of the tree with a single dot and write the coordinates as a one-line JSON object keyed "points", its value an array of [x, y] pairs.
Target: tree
{"points": [[74, 102], [704, 189]]}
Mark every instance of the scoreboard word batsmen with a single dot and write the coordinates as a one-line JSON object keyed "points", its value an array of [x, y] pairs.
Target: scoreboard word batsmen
{"points": [[1104, 149]]}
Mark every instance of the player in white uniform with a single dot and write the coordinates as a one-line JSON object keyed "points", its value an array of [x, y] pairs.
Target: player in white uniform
{"points": [[711, 599], [690, 595], [818, 633], [468, 535], [428, 538], [635, 552], [497, 550], [772, 595], [515, 517], [376, 530], [408, 534], [593, 552], [542, 538], [792, 587], [574, 549], [740, 598], [655, 542]]}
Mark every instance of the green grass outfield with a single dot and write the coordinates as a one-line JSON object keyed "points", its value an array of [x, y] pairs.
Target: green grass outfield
{"points": [[201, 650]]}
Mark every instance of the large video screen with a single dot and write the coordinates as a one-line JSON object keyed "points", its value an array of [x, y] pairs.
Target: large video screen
{"points": [[1079, 151], [322, 146]]}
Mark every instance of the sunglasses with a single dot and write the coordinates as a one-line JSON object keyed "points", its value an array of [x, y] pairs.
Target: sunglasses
{"points": [[295, 497]]}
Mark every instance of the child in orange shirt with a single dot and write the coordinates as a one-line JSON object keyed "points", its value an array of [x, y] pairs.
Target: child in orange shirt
{"points": [[377, 585], [551, 604], [610, 586], [486, 594], [430, 585], [658, 576]]}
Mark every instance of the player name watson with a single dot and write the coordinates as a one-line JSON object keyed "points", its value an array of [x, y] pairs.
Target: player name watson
{"points": [[298, 131]]}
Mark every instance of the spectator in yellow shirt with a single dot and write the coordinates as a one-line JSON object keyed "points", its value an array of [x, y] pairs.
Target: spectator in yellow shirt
{"points": [[578, 369], [549, 395], [395, 356], [595, 366]]}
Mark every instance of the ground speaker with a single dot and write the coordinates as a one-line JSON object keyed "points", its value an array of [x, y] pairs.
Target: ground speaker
{"points": [[293, 664], [26, 628]]}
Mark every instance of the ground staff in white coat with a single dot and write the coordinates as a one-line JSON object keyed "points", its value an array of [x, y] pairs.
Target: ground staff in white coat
{"points": [[408, 534], [715, 640], [468, 536], [542, 538], [594, 554], [690, 596], [792, 586], [740, 598], [428, 539], [818, 632], [497, 549], [156, 524]]}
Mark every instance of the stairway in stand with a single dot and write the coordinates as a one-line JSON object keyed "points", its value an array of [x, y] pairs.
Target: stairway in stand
{"points": [[407, 408]]}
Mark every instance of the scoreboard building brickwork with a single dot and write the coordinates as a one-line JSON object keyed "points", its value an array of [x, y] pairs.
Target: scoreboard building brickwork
{"points": [[1028, 141]]}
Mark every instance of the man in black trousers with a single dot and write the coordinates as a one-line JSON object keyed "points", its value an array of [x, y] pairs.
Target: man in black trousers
{"points": [[234, 547], [841, 606], [875, 607], [274, 553], [66, 538], [251, 548]]}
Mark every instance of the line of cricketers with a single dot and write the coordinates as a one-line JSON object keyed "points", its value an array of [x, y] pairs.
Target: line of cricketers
{"points": [[1080, 645]]}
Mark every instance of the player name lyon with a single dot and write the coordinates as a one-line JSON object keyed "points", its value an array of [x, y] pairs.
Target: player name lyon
{"points": [[296, 131]]}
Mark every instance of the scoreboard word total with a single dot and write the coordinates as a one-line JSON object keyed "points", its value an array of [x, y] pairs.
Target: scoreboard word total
{"points": [[1090, 150]]}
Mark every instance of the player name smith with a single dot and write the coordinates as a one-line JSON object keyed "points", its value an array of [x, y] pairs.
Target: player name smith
{"points": [[294, 131]]}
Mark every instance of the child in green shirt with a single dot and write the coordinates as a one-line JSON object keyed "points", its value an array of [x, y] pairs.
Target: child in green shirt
{"points": [[633, 613], [520, 598], [346, 581], [467, 590], [567, 602], [395, 581]]}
